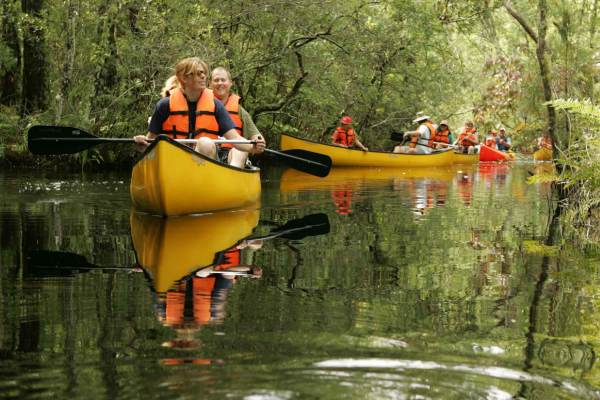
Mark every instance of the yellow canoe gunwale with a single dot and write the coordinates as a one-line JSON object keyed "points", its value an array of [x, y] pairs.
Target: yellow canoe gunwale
{"points": [[171, 179], [343, 157]]}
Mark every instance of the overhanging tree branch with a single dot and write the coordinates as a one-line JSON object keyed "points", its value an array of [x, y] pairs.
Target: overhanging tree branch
{"points": [[289, 96], [519, 18]]}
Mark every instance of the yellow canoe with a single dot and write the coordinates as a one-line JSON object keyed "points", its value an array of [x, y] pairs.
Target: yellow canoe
{"points": [[172, 179], [343, 157], [294, 181], [169, 249], [460, 158], [542, 154]]}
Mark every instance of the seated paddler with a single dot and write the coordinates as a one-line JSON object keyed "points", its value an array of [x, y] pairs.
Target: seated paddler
{"points": [[421, 139], [345, 136], [191, 111], [220, 84]]}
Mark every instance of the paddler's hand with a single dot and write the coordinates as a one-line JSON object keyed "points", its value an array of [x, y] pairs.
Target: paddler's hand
{"points": [[260, 145], [141, 142]]}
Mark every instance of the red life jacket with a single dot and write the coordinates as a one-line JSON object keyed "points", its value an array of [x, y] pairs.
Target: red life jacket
{"points": [[343, 136], [177, 125], [468, 137], [442, 136], [233, 108]]}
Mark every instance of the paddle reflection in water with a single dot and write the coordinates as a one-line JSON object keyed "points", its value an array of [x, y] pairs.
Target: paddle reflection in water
{"points": [[193, 263]]}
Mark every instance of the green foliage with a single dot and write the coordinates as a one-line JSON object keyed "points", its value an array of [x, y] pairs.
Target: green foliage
{"points": [[300, 65], [581, 160]]}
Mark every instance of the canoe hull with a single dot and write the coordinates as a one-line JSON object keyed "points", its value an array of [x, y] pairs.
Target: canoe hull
{"points": [[487, 154], [542, 155], [171, 179], [342, 157]]}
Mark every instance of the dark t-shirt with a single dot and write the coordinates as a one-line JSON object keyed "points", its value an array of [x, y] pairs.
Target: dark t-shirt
{"points": [[161, 113]]}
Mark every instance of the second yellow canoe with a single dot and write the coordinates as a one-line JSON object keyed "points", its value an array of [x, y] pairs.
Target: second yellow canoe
{"points": [[343, 157]]}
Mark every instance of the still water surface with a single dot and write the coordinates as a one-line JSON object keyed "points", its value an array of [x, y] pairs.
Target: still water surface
{"points": [[368, 284]]}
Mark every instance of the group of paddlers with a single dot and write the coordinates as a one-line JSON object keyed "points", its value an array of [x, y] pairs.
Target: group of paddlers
{"points": [[190, 110], [428, 137]]}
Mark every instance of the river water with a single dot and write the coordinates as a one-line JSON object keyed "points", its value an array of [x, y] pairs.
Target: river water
{"points": [[367, 284]]}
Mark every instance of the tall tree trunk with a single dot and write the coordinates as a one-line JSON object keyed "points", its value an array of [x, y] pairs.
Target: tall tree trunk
{"points": [[592, 24], [106, 76], [545, 72], [540, 40], [69, 60], [34, 59], [10, 71]]}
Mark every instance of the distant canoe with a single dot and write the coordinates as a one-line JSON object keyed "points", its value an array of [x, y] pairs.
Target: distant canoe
{"points": [[343, 157], [488, 154], [172, 179], [542, 154]]}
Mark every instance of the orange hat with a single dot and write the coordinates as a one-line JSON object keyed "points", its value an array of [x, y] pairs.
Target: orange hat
{"points": [[346, 120]]}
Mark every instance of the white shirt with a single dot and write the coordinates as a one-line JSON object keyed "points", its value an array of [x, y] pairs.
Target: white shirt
{"points": [[423, 142]]}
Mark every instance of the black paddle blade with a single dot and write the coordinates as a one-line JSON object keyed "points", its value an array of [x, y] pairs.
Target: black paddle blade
{"points": [[309, 225], [46, 264], [306, 161], [43, 139], [397, 136]]}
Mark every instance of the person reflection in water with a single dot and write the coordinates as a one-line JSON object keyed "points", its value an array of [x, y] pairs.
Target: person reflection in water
{"points": [[200, 298], [342, 198]]}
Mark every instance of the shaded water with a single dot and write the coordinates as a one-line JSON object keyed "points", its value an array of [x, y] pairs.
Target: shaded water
{"points": [[413, 284]]}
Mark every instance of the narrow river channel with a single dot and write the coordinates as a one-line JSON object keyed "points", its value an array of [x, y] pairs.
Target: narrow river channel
{"points": [[367, 284]]}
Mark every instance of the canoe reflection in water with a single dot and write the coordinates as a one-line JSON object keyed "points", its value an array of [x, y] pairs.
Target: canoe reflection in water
{"points": [[193, 262], [426, 187]]}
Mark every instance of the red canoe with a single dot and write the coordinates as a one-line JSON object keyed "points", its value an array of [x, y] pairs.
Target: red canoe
{"points": [[488, 154]]}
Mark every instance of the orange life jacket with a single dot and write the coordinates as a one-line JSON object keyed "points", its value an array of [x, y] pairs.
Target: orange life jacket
{"points": [[177, 125], [468, 137], [432, 132], [233, 108], [343, 136], [442, 136], [202, 289]]}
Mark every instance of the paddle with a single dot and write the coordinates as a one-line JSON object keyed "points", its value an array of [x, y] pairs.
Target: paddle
{"points": [[303, 160], [45, 263], [61, 264], [49, 140]]}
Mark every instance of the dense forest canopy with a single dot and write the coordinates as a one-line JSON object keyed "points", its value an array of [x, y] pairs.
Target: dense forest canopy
{"points": [[300, 65]]}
